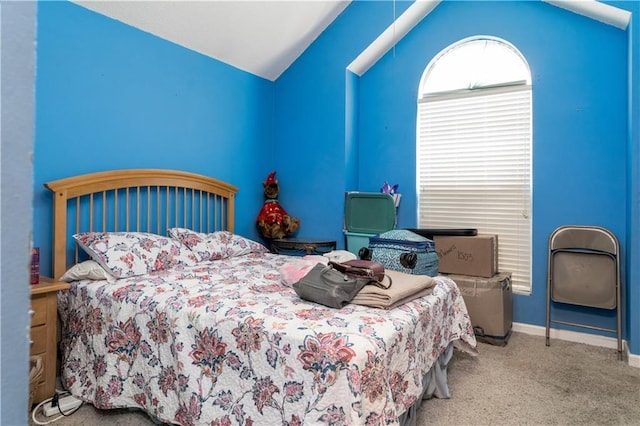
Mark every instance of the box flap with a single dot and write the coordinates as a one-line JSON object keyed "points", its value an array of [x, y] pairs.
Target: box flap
{"points": [[369, 212]]}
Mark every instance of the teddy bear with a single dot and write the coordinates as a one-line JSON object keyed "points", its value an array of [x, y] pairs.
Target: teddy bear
{"points": [[273, 221]]}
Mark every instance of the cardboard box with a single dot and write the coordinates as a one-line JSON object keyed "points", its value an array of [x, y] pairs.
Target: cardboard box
{"points": [[489, 303], [468, 255]]}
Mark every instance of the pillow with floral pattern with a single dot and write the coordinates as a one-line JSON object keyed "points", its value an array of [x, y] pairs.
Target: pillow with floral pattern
{"points": [[216, 245], [128, 254]]}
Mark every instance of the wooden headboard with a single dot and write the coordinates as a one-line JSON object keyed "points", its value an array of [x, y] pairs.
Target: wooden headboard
{"points": [[144, 200]]}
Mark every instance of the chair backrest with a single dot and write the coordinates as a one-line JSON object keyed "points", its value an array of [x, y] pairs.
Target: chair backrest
{"points": [[584, 238], [584, 268]]}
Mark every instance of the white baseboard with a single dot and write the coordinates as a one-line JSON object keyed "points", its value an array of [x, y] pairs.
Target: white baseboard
{"points": [[634, 360], [577, 337]]}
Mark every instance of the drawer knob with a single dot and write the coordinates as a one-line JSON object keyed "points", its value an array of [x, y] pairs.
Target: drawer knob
{"points": [[31, 313]]}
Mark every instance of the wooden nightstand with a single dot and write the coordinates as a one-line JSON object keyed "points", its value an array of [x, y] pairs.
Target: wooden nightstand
{"points": [[44, 331], [301, 246]]}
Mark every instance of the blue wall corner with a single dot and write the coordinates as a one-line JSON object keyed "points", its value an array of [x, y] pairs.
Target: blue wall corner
{"points": [[110, 96], [579, 69], [351, 137]]}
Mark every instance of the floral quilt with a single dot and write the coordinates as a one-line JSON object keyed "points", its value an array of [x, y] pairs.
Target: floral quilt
{"points": [[227, 342]]}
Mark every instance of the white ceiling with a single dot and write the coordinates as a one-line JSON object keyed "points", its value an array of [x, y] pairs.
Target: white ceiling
{"points": [[264, 37], [260, 37]]}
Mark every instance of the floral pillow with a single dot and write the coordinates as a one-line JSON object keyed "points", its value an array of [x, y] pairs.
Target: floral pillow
{"points": [[216, 245], [128, 254]]}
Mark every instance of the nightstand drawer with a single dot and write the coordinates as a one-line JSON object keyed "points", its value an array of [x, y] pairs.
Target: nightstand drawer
{"points": [[44, 304], [39, 339], [39, 307]]}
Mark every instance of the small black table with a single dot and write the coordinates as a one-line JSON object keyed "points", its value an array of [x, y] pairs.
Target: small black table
{"points": [[301, 246]]}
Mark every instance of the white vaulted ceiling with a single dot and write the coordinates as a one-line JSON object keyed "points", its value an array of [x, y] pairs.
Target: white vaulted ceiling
{"points": [[260, 37], [265, 37]]}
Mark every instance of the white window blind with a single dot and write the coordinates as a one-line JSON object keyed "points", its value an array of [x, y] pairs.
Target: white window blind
{"points": [[474, 169]]}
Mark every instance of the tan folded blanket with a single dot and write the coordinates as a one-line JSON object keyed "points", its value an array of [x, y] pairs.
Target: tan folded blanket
{"points": [[405, 288]]}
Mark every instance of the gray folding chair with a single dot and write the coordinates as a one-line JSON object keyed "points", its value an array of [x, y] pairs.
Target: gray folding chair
{"points": [[584, 270]]}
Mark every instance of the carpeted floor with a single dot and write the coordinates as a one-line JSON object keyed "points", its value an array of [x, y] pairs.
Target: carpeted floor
{"points": [[523, 383], [528, 383]]}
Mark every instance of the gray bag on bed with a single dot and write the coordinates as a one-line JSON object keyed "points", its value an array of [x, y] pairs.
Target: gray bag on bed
{"points": [[327, 286]]}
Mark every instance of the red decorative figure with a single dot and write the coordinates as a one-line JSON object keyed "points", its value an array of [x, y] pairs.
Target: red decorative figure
{"points": [[273, 221]]}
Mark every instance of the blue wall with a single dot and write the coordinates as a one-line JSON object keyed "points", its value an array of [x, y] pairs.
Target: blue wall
{"points": [[632, 289], [579, 73], [310, 120], [580, 124], [17, 29], [110, 96]]}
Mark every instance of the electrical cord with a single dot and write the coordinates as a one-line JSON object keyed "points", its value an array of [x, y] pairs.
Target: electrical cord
{"points": [[70, 412], [35, 410], [54, 400]]}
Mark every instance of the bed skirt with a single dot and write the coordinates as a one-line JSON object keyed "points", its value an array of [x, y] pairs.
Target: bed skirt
{"points": [[435, 385]]}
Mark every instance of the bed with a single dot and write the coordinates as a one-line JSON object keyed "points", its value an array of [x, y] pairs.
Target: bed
{"points": [[213, 335]]}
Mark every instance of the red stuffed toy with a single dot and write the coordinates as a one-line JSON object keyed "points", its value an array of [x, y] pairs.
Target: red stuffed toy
{"points": [[273, 221]]}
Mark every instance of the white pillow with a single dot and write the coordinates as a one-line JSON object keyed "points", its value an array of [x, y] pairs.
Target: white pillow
{"points": [[87, 270], [340, 256]]}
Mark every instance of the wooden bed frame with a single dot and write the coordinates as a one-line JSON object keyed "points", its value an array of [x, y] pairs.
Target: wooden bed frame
{"points": [[143, 200], [154, 200]]}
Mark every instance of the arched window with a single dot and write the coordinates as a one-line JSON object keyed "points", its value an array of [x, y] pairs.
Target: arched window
{"points": [[474, 147]]}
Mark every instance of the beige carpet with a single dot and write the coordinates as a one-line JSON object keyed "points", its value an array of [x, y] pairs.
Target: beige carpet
{"points": [[528, 383], [523, 383]]}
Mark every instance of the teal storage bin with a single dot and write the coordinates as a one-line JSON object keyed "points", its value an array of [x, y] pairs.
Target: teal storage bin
{"points": [[367, 214], [355, 241]]}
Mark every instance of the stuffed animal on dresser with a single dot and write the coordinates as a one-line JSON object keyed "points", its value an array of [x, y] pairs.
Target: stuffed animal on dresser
{"points": [[273, 221]]}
